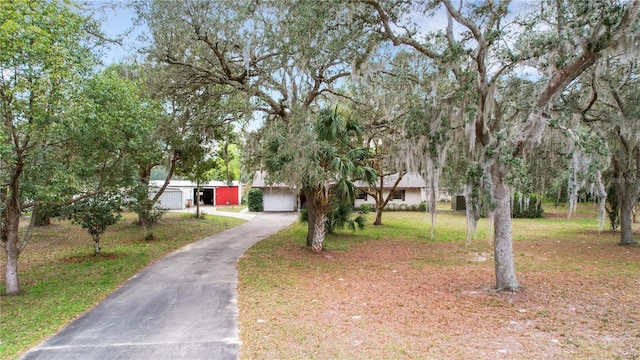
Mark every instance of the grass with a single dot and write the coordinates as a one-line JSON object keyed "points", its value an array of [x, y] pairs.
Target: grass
{"points": [[393, 291], [231, 208], [61, 278]]}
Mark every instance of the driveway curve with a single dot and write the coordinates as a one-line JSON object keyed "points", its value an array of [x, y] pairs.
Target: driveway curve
{"points": [[181, 307]]}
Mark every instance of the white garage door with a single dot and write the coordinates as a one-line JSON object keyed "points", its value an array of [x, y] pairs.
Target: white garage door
{"points": [[279, 200], [171, 199]]}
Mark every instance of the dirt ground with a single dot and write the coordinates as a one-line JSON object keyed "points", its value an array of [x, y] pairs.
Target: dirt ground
{"points": [[404, 299]]}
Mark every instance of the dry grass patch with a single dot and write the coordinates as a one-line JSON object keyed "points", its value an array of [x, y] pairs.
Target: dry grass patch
{"points": [[407, 296]]}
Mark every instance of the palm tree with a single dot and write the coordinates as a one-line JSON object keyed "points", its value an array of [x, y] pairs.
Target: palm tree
{"points": [[324, 160]]}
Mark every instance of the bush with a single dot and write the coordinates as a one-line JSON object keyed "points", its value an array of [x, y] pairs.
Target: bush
{"points": [[255, 200], [338, 217], [95, 214], [406, 207], [365, 208], [519, 208]]}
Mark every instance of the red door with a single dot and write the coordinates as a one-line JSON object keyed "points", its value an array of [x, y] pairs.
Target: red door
{"points": [[227, 195]]}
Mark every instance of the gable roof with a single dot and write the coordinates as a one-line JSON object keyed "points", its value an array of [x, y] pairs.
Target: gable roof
{"points": [[409, 181], [259, 181]]}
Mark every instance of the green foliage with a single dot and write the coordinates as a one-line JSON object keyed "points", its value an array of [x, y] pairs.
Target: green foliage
{"points": [[480, 197], [149, 213], [95, 214], [365, 208], [255, 200], [528, 208], [612, 207], [422, 207], [339, 217]]}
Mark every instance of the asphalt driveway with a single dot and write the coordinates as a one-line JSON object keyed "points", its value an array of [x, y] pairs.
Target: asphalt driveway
{"points": [[181, 307]]}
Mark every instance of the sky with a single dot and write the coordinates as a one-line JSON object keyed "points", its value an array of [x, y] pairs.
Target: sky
{"points": [[117, 20]]}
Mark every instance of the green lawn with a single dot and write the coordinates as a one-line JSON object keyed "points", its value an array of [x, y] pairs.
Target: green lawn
{"points": [[61, 278]]}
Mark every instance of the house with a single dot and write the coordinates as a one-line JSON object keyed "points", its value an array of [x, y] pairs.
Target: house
{"points": [[281, 197], [411, 190], [182, 193], [277, 197]]}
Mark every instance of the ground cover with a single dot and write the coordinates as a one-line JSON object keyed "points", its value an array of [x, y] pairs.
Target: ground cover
{"points": [[61, 278], [393, 292], [231, 208]]}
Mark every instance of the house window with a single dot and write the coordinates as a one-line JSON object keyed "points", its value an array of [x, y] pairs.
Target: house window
{"points": [[399, 195], [361, 195]]}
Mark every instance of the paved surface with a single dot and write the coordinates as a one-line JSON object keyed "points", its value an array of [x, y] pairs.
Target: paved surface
{"points": [[182, 307], [206, 209]]}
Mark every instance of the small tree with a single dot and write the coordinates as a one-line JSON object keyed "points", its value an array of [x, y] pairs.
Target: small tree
{"points": [[95, 214], [255, 200], [148, 212]]}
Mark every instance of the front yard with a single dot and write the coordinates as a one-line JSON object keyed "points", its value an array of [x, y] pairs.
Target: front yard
{"points": [[393, 292]]}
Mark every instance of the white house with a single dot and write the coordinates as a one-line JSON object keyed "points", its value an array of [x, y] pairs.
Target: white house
{"points": [[411, 190], [181, 193], [281, 197]]}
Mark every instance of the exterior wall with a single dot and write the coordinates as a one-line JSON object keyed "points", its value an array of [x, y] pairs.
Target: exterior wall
{"points": [[279, 200], [188, 190], [172, 199], [412, 196], [227, 195]]}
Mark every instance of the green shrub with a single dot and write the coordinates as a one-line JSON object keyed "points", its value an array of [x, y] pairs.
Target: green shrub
{"points": [[365, 208], [520, 210], [255, 200], [95, 214], [406, 207], [338, 217]]}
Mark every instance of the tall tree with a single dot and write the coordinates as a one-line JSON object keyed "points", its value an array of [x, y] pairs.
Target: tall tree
{"points": [[381, 101], [43, 54], [610, 108], [325, 171], [287, 56], [478, 54]]}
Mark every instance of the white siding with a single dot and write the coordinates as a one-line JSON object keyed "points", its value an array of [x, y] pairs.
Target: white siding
{"points": [[411, 197], [279, 200]]}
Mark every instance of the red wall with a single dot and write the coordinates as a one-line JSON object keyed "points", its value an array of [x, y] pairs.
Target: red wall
{"points": [[227, 195]]}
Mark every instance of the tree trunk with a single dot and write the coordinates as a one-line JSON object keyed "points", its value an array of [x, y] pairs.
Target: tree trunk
{"points": [[317, 215], [626, 207], [318, 231], [198, 200], [12, 219], [310, 221], [503, 240], [378, 220], [96, 244]]}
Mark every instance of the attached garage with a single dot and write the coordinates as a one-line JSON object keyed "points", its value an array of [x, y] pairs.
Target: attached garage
{"points": [[279, 200], [276, 197]]}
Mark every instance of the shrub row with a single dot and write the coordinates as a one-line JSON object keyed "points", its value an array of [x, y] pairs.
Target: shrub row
{"points": [[422, 207]]}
